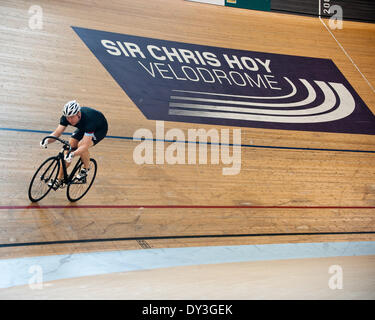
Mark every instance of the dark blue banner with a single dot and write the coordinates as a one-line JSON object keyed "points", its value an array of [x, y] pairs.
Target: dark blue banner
{"points": [[175, 81]]}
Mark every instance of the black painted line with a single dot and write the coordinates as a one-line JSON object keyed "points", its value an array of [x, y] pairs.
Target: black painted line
{"points": [[25, 244]]}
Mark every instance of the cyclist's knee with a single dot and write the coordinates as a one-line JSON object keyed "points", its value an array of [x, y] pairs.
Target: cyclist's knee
{"points": [[91, 144], [73, 143]]}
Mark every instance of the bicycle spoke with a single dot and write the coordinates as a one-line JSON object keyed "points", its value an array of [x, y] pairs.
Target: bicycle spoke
{"points": [[76, 188], [39, 187]]}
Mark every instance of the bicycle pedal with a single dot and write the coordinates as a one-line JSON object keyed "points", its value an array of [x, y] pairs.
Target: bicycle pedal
{"points": [[56, 185], [82, 180]]}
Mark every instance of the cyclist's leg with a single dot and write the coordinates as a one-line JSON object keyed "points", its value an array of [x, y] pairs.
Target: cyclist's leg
{"points": [[85, 156], [73, 141], [97, 137], [58, 183]]}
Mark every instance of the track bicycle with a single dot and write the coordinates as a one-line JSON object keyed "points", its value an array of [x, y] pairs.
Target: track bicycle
{"points": [[45, 176]]}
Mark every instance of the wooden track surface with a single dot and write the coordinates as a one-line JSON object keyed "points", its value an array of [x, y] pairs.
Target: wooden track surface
{"points": [[42, 69]]}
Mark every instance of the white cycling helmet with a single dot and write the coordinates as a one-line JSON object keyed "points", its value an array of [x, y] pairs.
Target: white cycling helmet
{"points": [[71, 108]]}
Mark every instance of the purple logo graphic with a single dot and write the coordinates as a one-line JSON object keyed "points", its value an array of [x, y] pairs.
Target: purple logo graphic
{"points": [[176, 81]]}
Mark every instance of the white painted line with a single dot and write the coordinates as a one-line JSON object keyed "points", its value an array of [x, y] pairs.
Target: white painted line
{"points": [[294, 91], [343, 49], [320, 8], [217, 2]]}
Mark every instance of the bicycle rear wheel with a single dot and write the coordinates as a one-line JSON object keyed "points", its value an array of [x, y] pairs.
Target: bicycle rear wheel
{"points": [[77, 189], [47, 171]]}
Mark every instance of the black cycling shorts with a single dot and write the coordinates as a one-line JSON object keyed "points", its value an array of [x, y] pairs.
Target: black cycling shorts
{"points": [[98, 136]]}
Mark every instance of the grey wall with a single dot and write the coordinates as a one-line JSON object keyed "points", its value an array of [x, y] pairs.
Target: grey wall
{"points": [[360, 10]]}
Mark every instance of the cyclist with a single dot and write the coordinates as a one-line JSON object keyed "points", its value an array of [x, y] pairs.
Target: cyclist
{"points": [[91, 127]]}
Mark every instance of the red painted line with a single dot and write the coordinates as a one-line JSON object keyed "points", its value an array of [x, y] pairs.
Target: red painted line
{"points": [[173, 207]]}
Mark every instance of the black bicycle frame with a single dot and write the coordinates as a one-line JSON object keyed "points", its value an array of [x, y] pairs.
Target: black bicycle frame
{"points": [[67, 147]]}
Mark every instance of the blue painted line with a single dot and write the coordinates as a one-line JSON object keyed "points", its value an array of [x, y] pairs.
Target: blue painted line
{"points": [[208, 143], [21, 270], [25, 130]]}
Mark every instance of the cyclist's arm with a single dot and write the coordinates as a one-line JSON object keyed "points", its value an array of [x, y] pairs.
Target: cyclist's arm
{"points": [[57, 133]]}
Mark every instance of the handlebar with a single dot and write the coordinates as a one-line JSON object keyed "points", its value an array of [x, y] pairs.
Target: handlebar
{"points": [[66, 144]]}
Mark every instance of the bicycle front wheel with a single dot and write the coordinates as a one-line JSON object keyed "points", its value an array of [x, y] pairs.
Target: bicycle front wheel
{"points": [[46, 173], [78, 188]]}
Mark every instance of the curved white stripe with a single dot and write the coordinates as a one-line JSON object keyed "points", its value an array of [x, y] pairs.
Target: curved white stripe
{"points": [[328, 104], [294, 91], [310, 98], [346, 107]]}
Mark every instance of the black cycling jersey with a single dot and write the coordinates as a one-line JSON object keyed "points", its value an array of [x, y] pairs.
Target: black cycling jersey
{"points": [[92, 123]]}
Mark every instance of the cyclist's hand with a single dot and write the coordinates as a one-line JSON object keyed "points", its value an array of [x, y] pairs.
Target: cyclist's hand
{"points": [[69, 157], [44, 145]]}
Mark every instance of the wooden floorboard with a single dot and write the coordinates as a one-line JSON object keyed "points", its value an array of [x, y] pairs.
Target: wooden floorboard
{"points": [[42, 69]]}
